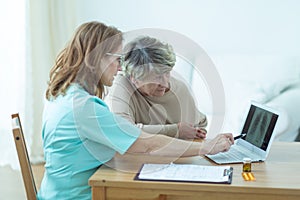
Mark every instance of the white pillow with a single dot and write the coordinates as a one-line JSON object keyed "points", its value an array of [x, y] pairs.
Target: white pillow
{"points": [[289, 120]]}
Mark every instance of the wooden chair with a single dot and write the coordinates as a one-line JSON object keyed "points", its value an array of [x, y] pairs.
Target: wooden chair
{"points": [[24, 161]]}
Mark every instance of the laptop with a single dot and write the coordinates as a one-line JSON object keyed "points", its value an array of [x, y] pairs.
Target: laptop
{"points": [[258, 134]]}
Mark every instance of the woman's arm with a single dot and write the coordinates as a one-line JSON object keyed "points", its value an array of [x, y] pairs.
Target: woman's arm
{"points": [[160, 145]]}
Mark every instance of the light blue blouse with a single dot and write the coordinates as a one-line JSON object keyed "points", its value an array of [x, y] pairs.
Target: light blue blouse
{"points": [[79, 134]]}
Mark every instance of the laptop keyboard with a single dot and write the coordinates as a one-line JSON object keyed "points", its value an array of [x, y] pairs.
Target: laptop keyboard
{"points": [[233, 156]]}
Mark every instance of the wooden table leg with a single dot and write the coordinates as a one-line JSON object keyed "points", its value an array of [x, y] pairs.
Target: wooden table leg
{"points": [[162, 197], [98, 193]]}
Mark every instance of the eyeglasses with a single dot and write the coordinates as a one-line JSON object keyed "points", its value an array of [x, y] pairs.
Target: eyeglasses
{"points": [[157, 78], [120, 57]]}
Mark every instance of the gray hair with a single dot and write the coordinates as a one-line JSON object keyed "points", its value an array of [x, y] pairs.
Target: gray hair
{"points": [[145, 54]]}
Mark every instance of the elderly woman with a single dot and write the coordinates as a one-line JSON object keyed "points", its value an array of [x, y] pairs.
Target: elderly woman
{"points": [[152, 99]]}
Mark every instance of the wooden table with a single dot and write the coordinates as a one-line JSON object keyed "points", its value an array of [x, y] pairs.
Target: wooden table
{"points": [[276, 178]]}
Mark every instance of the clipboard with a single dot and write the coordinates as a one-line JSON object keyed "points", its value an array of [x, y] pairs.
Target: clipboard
{"points": [[185, 173]]}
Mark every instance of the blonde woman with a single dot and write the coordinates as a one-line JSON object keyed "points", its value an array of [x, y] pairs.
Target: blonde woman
{"points": [[79, 132]]}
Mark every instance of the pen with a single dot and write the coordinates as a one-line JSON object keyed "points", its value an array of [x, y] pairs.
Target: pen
{"points": [[239, 136]]}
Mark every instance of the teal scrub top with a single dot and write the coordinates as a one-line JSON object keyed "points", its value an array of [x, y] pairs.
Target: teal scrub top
{"points": [[79, 134]]}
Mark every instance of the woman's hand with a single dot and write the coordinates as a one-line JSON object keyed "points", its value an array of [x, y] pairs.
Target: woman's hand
{"points": [[221, 143], [189, 131], [201, 131]]}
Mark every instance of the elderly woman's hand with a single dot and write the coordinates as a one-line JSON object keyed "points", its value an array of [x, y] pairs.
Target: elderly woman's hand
{"points": [[188, 131]]}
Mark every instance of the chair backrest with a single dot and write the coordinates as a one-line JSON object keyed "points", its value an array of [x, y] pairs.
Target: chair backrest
{"points": [[24, 161]]}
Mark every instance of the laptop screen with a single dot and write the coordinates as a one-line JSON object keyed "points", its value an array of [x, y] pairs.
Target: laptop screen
{"points": [[259, 126]]}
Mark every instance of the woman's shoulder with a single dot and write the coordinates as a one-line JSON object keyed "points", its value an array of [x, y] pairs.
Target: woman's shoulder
{"points": [[122, 86], [80, 97]]}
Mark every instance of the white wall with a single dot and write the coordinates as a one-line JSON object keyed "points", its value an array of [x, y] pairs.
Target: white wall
{"points": [[220, 26]]}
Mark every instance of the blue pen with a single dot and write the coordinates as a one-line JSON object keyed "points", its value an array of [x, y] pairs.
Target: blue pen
{"points": [[239, 136]]}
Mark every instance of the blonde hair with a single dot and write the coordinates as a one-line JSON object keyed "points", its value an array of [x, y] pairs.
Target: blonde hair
{"points": [[145, 54], [79, 62]]}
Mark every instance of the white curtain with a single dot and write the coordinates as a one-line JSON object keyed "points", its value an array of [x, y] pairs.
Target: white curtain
{"points": [[33, 34], [12, 73], [51, 23]]}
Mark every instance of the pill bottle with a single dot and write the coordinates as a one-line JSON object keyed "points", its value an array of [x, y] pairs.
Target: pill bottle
{"points": [[247, 165]]}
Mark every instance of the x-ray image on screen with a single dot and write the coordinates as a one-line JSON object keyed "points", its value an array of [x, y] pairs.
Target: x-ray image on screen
{"points": [[259, 126]]}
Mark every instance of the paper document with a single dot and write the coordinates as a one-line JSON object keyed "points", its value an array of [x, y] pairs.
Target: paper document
{"points": [[185, 173]]}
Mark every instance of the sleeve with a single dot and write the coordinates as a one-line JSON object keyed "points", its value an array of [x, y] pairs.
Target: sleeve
{"points": [[96, 123], [120, 105], [187, 98], [168, 130]]}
